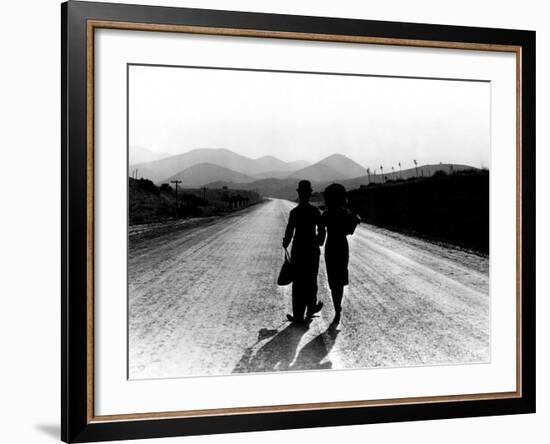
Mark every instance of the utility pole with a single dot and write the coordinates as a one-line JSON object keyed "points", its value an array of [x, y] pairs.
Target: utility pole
{"points": [[368, 174], [400, 175], [176, 182], [204, 193], [416, 167], [382, 173]]}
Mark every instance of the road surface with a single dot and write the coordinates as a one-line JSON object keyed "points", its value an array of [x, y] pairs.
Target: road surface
{"points": [[204, 301]]}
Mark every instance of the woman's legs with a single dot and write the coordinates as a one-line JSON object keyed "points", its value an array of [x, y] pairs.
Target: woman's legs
{"points": [[337, 294]]}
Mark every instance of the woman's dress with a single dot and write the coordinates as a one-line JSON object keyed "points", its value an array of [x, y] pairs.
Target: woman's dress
{"points": [[339, 224]]}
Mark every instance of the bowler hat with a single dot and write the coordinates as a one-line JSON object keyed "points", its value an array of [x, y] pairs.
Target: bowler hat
{"points": [[304, 185]]}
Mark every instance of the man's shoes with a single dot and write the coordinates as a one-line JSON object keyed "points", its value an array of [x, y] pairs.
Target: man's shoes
{"points": [[316, 309], [294, 319]]}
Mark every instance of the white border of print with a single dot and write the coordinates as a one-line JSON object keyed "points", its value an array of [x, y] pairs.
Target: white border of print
{"points": [[114, 394]]}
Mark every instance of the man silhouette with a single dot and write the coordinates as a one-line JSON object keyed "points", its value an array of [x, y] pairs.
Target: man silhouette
{"points": [[307, 233]]}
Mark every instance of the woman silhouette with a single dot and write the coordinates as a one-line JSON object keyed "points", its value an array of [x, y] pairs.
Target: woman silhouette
{"points": [[339, 223]]}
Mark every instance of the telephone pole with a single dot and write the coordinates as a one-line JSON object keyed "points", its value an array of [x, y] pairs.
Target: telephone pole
{"points": [[204, 194], [176, 182]]}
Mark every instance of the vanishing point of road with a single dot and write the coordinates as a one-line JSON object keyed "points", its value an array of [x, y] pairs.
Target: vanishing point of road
{"points": [[204, 301]]}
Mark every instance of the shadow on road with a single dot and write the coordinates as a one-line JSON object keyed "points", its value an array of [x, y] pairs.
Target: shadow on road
{"points": [[313, 354], [278, 353]]}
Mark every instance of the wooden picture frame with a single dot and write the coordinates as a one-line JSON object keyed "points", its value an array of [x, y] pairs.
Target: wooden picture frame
{"points": [[79, 22]]}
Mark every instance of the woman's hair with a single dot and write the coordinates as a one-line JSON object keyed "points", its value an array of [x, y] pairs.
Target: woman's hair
{"points": [[335, 196]]}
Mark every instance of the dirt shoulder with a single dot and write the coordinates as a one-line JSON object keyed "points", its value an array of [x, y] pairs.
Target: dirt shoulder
{"points": [[141, 232]]}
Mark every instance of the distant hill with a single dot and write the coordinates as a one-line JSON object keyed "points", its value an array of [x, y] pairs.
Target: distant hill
{"points": [[272, 175], [138, 154], [268, 164], [298, 164], [343, 165], [285, 188], [335, 167], [422, 171], [165, 168], [158, 170], [204, 173], [317, 173]]}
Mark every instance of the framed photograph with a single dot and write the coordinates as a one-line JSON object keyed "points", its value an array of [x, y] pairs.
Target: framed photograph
{"points": [[275, 221]]}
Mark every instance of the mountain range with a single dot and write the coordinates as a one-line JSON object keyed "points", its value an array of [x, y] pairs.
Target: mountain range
{"points": [[286, 188], [202, 166], [162, 169], [204, 173], [270, 176], [335, 167]]}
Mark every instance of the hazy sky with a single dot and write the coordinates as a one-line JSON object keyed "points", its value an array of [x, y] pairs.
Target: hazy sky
{"points": [[375, 121]]}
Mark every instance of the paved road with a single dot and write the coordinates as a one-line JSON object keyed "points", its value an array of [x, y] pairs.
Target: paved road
{"points": [[203, 301]]}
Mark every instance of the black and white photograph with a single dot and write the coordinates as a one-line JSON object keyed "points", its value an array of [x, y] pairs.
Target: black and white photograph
{"points": [[302, 221]]}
